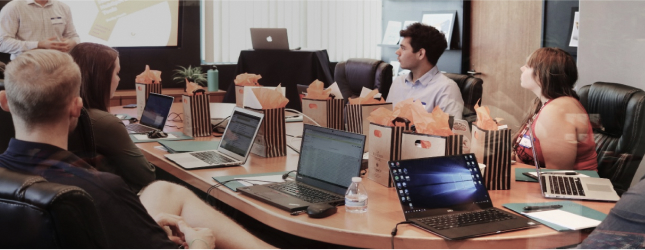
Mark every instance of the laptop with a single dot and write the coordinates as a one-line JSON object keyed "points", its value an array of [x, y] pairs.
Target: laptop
{"points": [[446, 196], [328, 160], [572, 187], [269, 38], [154, 115], [233, 149]]}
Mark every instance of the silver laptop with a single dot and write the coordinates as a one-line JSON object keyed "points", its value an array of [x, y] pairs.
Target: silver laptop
{"points": [[571, 186], [269, 38], [154, 114], [233, 149]]}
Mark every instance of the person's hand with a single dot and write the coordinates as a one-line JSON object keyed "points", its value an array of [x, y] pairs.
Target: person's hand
{"points": [[170, 223], [68, 45], [52, 43], [198, 237]]}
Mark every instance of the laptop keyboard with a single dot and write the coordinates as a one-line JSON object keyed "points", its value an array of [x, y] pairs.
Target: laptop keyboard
{"points": [[138, 128], [212, 157], [305, 193], [466, 219], [566, 185]]}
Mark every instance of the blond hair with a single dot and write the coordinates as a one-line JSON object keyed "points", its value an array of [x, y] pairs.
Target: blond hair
{"points": [[40, 84]]}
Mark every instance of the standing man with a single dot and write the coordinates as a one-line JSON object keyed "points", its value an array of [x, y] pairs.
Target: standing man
{"points": [[420, 49], [36, 24]]}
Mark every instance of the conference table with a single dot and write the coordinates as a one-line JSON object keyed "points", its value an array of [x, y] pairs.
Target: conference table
{"points": [[369, 230]]}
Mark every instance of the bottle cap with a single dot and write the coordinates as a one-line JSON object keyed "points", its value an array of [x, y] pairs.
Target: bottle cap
{"points": [[357, 179]]}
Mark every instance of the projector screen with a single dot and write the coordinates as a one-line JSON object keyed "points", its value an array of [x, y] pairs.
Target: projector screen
{"points": [[126, 23]]}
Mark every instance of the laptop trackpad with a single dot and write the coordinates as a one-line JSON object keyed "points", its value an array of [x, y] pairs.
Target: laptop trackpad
{"points": [[599, 188]]}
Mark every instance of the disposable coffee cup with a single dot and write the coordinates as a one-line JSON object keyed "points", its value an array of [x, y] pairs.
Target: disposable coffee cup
{"points": [[482, 168]]}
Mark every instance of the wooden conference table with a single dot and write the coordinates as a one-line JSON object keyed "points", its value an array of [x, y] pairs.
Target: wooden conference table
{"points": [[369, 230]]}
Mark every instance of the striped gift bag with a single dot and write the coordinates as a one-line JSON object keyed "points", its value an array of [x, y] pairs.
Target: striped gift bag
{"points": [[493, 148], [271, 140], [384, 146], [327, 113], [197, 114], [358, 118], [414, 146]]}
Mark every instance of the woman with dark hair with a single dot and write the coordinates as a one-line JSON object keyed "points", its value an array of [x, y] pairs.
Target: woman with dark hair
{"points": [[100, 67], [563, 137]]}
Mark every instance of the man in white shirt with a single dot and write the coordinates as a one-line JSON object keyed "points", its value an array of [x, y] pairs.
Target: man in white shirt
{"points": [[32, 24], [420, 49]]}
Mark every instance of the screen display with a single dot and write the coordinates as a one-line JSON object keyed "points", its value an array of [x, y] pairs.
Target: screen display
{"points": [[119, 23], [156, 111], [453, 182], [238, 136], [331, 156]]}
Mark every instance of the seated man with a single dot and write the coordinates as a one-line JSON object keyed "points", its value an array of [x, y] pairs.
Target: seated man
{"points": [[419, 52], [624, 226], [42, 94]]}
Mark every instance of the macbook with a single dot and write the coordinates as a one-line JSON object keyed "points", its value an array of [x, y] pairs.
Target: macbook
{"points": [[269, 38], [446, 196], [328, 160], [154, 115], [233, 149], [572, 187]]}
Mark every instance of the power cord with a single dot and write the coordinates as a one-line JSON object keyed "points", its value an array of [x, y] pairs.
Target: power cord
{"points": [[177, 117], [298, 112], [291, 140], [394, 231], [286, 175], [173, 126]]}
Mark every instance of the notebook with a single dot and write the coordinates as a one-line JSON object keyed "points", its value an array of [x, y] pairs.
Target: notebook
{"points": [[446, 196], [572, 187], [328, 160], [269, 38], [233, 149], [154, 115]]}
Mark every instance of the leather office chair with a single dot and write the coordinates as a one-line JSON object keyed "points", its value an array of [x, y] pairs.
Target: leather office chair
{"points": [[41, 214], [471, 91], [620, 142], [7, 130], [355, 73]]}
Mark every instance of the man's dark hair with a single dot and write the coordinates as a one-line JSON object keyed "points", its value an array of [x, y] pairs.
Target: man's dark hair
{"points": [[428, 38]]}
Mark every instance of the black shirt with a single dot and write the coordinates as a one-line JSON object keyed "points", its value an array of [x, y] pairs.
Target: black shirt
{"points": [[126, 222]]}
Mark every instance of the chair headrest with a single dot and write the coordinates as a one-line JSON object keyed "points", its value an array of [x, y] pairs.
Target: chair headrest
{"points": [[32, 189], [612, 101]]}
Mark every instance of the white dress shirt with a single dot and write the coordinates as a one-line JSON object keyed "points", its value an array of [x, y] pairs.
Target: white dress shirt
{"points": [[433, 89], [24, 22]]}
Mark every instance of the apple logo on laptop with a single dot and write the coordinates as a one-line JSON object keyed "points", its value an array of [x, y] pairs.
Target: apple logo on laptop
{"points": [[269, 39]]}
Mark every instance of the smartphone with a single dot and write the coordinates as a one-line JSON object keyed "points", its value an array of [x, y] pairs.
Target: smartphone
{"points": [[130, 106]]}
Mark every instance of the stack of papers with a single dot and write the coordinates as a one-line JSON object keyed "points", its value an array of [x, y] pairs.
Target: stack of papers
{"points": [[563, 218]]}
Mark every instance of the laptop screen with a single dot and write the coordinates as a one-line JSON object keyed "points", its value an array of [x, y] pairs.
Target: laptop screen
{"points": [[432, 186], [239, 133], [329, 158], [156, 111]]}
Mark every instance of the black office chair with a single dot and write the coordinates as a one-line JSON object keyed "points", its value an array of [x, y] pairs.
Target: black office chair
{"points": [[471, 91], [620, 142], [41, 214], [355, 73]]}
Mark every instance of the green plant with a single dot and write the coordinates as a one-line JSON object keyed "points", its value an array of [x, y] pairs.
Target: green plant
{"points": [[192, 74]]}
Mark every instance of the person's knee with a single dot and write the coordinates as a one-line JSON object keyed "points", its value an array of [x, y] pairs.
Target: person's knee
{"points": [[167, 190]]}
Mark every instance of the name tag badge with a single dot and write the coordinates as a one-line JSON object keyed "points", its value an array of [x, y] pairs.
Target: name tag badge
{"points": [[57, 20], [526, 142]]}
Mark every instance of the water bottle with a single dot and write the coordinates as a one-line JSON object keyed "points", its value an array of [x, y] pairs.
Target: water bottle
{"points": [[356, 197], [213, 79]]}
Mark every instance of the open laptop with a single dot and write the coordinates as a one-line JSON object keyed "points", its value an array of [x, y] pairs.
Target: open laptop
{"points": [[233, 149], [572, 187], [154, 115], [446, 196], [269, 38], [328, 160]]}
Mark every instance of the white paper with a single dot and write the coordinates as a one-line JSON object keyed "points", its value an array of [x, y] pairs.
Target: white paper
{"points": [[392, 36], [564, 218], [335, 91], [365, 91], [144, 137], [251, 101], [574, 32], [259, 180]]}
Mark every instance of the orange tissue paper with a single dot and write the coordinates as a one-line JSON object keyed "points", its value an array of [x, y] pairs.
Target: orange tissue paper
{"points": [[317, 91], [191, 87], [149, 76], [247, 79], [368, 99], [435, 123], [270, 98], [484, 121]]}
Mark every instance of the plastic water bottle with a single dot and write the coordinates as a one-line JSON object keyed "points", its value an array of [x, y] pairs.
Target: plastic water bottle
{"points": [[356, 197], [212, 76]]}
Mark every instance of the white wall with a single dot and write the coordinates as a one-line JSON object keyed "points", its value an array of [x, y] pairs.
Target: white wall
{"points": [[612, 45]]}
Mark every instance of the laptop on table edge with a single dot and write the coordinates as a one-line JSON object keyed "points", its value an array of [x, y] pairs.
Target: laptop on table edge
{"points": [[234, 146], [328, 160], [434, 190], [269, 38], [154, 115], [599, 189]]}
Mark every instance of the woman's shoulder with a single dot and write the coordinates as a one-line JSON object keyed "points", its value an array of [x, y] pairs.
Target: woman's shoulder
{"points": [[565, 105], [103, 119]]}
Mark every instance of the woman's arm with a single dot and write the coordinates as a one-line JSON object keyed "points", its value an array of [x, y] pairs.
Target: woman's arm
{"points": [[557, 128]]}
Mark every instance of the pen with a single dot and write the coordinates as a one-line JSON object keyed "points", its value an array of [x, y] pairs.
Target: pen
{"points": [[561, 173], [542, 207]]}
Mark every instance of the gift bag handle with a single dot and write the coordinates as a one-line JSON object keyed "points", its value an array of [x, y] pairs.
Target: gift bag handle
{"points": [[199, 91], [404, 120]]}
